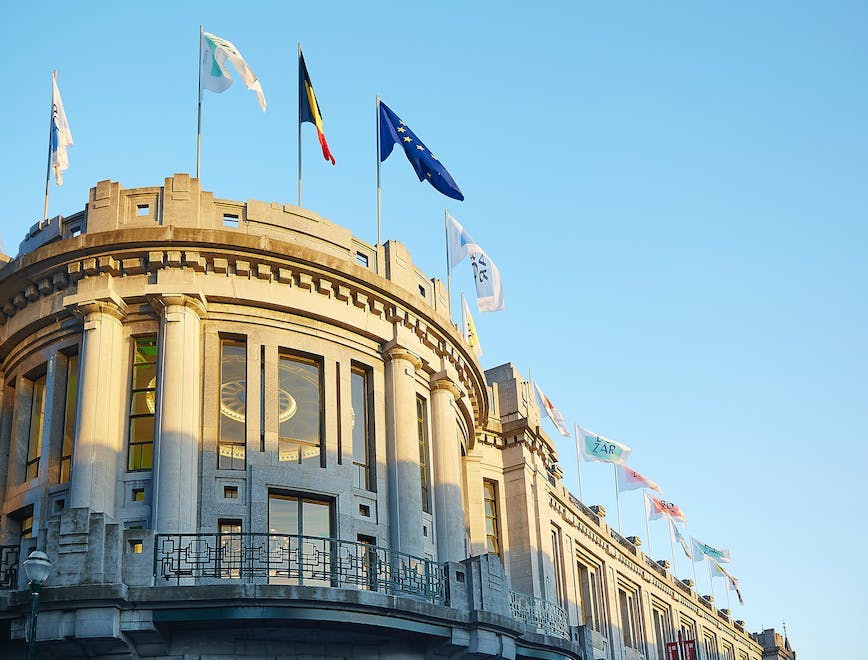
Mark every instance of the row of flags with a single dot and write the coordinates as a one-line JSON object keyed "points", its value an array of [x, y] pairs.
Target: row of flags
{"points": [[216, 53], [593, 447]]}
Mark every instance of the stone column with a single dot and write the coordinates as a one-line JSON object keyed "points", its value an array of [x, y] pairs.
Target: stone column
{"points": [[448, 503], [179, 415], [402, 450], [99, 435]]}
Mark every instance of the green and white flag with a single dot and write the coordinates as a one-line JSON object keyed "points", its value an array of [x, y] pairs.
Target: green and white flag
{"points": [[597, 448], [702, 550], [214, 76]]}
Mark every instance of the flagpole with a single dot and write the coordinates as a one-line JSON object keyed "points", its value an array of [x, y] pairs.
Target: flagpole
{"points": [[379, 194], [648, 530], [578, 461], [299, 124], [617, 497], [50, 133], [199, 110], [672, 543], [693, 561], [448, 260], [710, 577], [726, 589]]}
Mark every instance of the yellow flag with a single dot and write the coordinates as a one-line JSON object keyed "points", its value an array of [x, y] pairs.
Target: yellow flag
{"points": [[470, 330]]}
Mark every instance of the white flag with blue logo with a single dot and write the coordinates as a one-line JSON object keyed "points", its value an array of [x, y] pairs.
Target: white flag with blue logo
{"points": [[61, 136]]}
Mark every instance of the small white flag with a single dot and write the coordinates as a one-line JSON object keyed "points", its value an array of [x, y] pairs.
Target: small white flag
{"points": [[214, 77], [458, 240], [470, 330], [61, 136], [489, 288], [553, 413]]}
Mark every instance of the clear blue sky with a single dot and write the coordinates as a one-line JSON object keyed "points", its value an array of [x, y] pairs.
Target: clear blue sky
{"points": [[675, 195]]}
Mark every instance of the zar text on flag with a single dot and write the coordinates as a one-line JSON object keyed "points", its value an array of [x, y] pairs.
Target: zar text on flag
{"points": [[308, 108], [553, 413], [602, 450], [631, 480], [428, 168], [214, 77], [61, 136]]}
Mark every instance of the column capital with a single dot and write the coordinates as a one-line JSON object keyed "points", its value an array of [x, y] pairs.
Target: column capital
{"points": [[394, 351], [441, 381], [161, 302], [110, 305]]}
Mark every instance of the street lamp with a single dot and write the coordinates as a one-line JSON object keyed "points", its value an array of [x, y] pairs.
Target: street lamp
{"points": [[36, 568]]}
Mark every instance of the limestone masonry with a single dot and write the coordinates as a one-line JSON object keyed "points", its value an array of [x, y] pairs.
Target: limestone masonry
{"points": [[238, 431]]}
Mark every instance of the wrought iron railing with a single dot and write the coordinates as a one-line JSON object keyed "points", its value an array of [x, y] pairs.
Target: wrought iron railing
{"points": [[540, 614], [296, 560], [9, 557]]}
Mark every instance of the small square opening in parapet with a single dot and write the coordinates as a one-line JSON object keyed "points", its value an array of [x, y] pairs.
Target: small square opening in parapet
{"points": [[362, 259], [143, 210], [230, 220]]}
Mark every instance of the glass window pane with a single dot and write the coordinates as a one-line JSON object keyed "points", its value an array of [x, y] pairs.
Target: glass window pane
{"points": [[282, 514], [316, 520], [145, 376], [141, 429], [299, 406]]}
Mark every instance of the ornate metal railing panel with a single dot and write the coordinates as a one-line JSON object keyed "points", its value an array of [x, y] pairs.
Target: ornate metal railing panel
{"points": [[299, 560], [9, 557], [539, 614]]}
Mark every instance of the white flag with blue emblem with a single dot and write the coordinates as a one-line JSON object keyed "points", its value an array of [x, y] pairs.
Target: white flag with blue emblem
{"points": [[61, 136]]}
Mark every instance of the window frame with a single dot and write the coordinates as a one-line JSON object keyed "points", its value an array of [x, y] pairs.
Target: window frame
{"points": [[365, 474], [236, 458], [318, 362], [135, 448], [424, 467]]}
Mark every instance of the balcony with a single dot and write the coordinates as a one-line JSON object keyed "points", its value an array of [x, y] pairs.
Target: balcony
{"points": [[536, 613], [9, 556], [296, 560]]}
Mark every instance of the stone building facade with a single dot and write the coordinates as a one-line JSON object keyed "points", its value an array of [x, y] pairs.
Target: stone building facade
{"points": [[239, 431]]}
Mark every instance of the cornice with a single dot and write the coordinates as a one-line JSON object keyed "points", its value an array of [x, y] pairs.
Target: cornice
{"points": [[58, 267]]}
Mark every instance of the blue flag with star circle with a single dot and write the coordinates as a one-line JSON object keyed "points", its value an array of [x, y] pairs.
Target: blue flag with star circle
{"points": [[428, 168]]}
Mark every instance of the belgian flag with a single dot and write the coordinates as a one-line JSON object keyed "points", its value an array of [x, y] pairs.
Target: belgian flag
{"points": [[308, 108]]}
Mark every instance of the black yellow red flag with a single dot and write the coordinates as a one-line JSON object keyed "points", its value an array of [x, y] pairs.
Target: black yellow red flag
{"points": [[308, 108]]}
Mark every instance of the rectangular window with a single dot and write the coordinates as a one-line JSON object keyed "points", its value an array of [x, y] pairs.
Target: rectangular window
{"points": [[727, 651], [492, 522], [69, 418], [709, 641], [662, 620], [628, 602], [300, 529], [231, 447], [37, 418], [143, 398], [300, 410], [368, 565], [27, 527], [589, 593], [422, 427], [558, 562], [229, 543], [363, 436]]}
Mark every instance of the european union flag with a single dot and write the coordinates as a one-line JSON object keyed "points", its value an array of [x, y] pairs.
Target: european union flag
{"points": [[427, 167]]}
